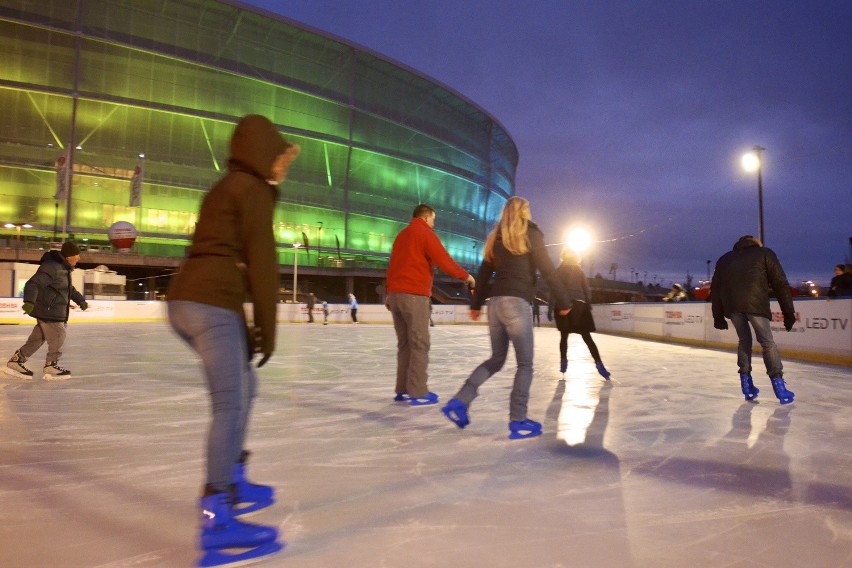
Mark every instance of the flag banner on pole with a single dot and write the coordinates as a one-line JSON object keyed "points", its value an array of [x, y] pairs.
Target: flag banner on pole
{"points": [[136, 185], [338, 246], [61, 177], [305, 240]]}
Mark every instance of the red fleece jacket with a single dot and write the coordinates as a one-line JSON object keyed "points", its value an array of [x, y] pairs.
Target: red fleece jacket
{"points": [[416, 251]]}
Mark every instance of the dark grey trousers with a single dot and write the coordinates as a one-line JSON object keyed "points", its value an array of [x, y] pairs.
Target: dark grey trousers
{"points": [[50, 332]]}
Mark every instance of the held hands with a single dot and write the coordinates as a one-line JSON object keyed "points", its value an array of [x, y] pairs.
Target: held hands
{"points": [[471, 282], [564, 312], [789, 321], [720, 323], [474, 315], [28, 307]]}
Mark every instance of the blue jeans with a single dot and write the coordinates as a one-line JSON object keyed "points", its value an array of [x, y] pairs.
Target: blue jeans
{"points": [[218, 336], [509, 320], [771, 357]]}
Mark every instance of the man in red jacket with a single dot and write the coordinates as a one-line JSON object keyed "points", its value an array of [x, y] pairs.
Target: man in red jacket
{"points": [[416, 251]]}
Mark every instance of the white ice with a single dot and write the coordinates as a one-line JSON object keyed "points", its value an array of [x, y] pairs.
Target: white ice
{"points": [[666, 466]]}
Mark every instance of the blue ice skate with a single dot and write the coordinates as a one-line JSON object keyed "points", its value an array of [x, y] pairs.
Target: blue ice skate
{"points": [[749, 390], [401, 397], [428, 398], [784, 396], [563, 365], [249, 497], [602, 370], [520, 429], [219, 528], [456, 411]]}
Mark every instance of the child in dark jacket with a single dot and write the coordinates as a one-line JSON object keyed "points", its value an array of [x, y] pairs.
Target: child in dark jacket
{"points": [[47, 298]]}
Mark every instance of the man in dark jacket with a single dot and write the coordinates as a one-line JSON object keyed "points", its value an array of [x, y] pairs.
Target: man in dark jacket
{"points": [[740, 291], [233, 259], [47, 298]]}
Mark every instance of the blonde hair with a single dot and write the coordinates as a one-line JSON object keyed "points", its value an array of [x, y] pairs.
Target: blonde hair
{"points": [[513, 225]]}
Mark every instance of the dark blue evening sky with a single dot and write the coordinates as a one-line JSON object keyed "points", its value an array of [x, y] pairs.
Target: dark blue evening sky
{"points": [[631, 116]]}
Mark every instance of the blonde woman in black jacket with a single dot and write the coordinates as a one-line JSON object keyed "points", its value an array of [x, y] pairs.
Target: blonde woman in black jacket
{"points": [[514, 251]]}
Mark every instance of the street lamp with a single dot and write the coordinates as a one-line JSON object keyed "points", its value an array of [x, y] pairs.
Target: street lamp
{"points": [[18, 227], [579, 240], [319, 243], [752, 162], [295, 268]]}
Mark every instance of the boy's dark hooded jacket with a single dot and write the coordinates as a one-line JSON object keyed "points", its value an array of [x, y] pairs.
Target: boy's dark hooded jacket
{"points": [[233, 254], [50, 289]]}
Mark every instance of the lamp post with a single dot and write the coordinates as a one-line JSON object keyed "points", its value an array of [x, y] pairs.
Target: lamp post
{"points": [[752, 162], [319, 243], [295, 268], [18, 227]]}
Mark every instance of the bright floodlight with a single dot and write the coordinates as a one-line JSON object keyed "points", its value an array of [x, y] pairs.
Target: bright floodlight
{"points": [[578, 240], [751, 162]]}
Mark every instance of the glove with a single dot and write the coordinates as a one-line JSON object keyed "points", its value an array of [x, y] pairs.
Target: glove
{"points": [[789, 321], [720, 323], [471, 282], [84, 305], [263, 360], [253, 339], [28, 307]]}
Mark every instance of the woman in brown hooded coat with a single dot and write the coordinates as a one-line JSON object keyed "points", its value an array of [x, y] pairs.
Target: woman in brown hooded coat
{"points": [[232, 260]]}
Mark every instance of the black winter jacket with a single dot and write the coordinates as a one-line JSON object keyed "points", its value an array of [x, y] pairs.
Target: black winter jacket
{"points": [[50, 289], [515, 274], [745, 278]]}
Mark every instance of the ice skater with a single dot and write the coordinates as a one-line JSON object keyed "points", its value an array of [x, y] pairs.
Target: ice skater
{"points": [[739, 291], [47, 298], [514, 251], [233, 257], [353, 308], [579, 319], [416, 251]]}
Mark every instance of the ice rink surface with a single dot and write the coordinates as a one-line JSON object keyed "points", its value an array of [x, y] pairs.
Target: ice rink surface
{"points": [[666, 466]]}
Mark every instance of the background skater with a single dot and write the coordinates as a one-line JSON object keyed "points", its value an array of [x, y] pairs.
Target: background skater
{"points": [[739, 291], [47, 298]]}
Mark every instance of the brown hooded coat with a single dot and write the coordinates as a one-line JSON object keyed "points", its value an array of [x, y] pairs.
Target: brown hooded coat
{"points": [[233, 254]]}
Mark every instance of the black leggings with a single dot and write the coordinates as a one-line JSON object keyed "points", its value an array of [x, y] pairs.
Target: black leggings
{"points": [[587, 338]]}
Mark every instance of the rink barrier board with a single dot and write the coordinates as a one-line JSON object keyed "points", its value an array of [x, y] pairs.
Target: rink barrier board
{"points": [[823, 330]]}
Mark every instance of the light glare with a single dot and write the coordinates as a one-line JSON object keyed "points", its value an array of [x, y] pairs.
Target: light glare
{"points": [[578, 240], [750, 162]]}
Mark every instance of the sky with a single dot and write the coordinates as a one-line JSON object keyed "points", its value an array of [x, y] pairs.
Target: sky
{"points": [[631, 117]]}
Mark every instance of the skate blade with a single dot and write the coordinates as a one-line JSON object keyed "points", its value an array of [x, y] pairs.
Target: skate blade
{"points": [[56, 378], [247, 556], [523, 434], [17, 375], [251, 507]]}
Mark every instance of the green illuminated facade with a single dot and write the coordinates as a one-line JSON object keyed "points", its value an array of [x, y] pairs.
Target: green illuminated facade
{"points": [[107, 81]]}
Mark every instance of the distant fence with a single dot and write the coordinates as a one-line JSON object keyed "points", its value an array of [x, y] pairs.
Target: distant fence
{"points": [[823, 330]]}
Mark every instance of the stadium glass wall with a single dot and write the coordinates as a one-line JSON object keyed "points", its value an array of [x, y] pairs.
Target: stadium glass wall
{"points": [[105, 82]]}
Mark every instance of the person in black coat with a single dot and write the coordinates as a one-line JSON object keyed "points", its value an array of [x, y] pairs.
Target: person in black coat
{"points": [[579, 319], [841, 284], [742, 282], [47, 298]]}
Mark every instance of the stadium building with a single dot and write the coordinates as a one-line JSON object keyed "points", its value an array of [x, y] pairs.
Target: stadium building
{"points": [[121, 111]]}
